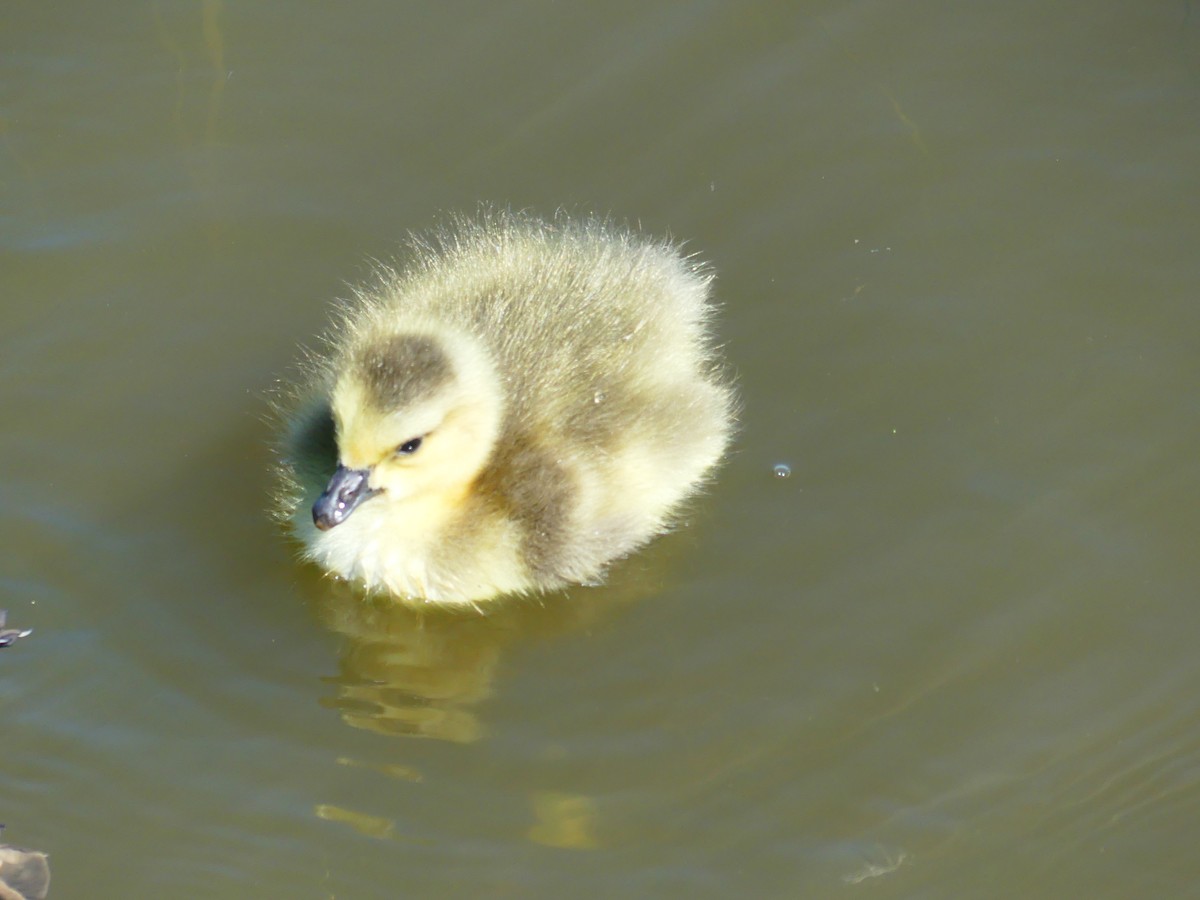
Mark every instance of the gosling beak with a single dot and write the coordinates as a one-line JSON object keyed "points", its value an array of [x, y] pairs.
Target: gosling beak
{"points": [[346, 489]]}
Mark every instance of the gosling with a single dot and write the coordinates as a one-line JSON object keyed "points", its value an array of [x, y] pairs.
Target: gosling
{"points": [[523, 403]]}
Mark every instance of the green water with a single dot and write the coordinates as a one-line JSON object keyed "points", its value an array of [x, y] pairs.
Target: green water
{"points": [[952, 655]]}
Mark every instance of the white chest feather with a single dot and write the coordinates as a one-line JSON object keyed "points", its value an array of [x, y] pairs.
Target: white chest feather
{"points": [[399, 548]]}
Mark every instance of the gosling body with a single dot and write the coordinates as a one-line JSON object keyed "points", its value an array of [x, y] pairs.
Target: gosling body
{"points": [[520, 405]]}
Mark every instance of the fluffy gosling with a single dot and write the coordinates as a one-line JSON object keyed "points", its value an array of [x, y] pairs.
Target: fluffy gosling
{"points": [[521, 404]]}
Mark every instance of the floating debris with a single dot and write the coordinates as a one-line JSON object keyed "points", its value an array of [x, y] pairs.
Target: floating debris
{"points": [[24, 874], [886, 863], [10, 635]]}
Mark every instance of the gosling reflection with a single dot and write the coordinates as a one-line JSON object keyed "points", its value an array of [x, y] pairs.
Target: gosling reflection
{"points": [[411, 673], [407, 675], [422, 674]]}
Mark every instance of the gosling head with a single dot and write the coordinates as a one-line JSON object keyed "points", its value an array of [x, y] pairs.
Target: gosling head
{"points": [[416, 416]]}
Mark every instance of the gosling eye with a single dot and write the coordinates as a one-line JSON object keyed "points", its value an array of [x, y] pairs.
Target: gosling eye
{"points": [[409, 447]]}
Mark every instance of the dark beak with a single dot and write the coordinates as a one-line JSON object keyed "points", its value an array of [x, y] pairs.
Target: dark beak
{"points": [[346, 489]]}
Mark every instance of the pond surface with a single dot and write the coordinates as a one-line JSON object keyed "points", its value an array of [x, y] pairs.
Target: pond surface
{"points": [[951, 654]]}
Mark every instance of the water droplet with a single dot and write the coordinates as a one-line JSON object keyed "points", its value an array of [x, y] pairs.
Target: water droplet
{"points": [[782, 470], [598, 397]]}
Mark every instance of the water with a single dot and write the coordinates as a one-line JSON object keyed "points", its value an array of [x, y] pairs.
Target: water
{"points": [[951, 656]]}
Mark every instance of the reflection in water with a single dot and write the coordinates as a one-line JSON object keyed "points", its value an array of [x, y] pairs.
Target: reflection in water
{"points": [[214, 48], [563, 820], [198, 147], [405, 674], [423, 673], [391, 770], [214, 44], [371, 826]]}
